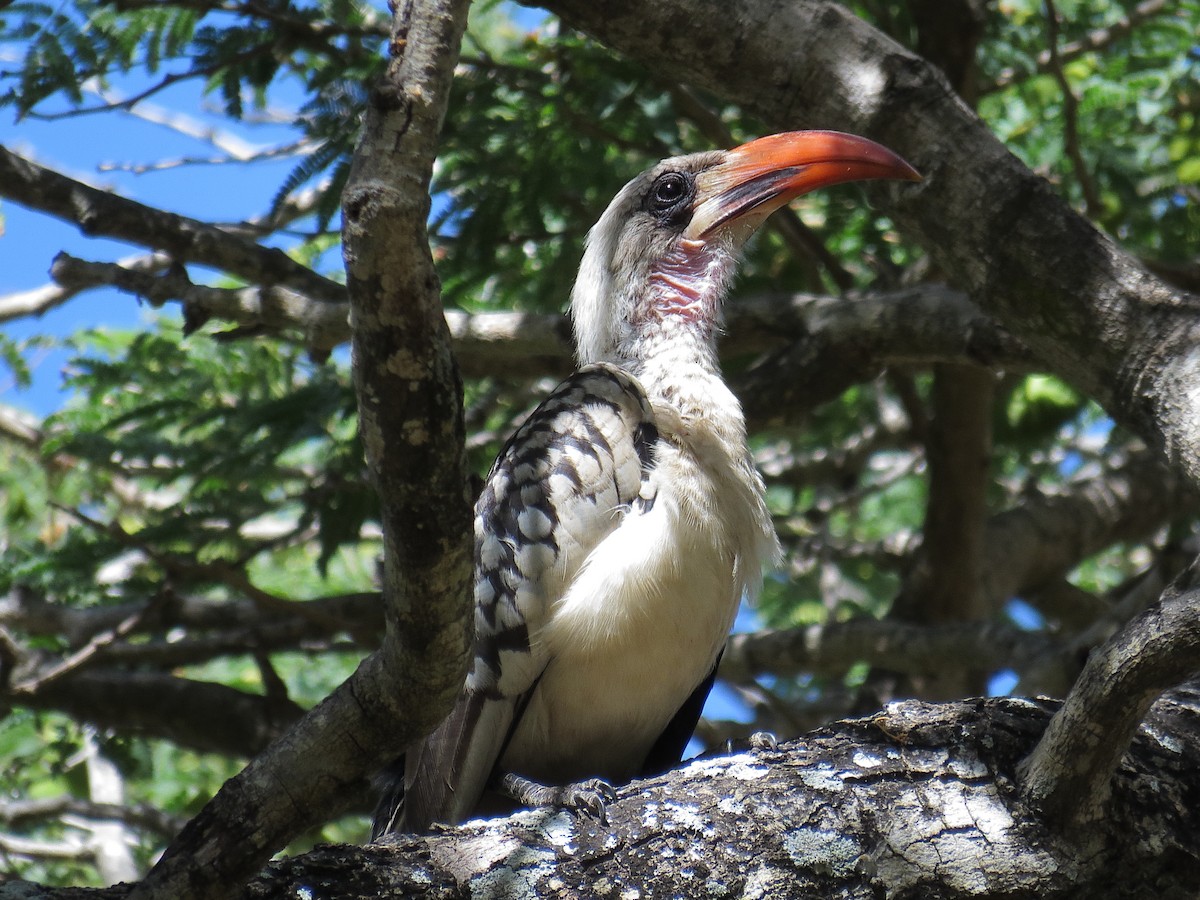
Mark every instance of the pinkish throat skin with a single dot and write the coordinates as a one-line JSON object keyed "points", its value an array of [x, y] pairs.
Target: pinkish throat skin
{"points": [[687, 284]]}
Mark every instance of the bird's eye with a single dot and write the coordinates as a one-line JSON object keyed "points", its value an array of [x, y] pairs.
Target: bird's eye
{"points": [[669, 196]]}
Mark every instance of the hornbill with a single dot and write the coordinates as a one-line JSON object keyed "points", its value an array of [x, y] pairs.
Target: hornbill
{"points": [[624, 521]]}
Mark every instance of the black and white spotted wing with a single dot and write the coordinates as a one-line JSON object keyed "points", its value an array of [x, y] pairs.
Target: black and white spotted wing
{"points": [[582, 462]]}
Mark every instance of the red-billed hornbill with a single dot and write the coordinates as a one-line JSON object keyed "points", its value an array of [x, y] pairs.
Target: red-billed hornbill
{"points": [[623, 523]]}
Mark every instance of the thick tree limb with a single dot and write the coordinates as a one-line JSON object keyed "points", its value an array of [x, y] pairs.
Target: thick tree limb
{"points": [[945, 585], [915, 801], [408, 384], [927, 650], [834, 344], [1048, 535]]}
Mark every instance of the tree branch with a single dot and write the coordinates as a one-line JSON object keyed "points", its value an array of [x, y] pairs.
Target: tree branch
{"points": [[102, 214], [1092, 203], [833, 648], [915, 801], [1048, 535], [205, 716], [838, 343], [140, 815], [323, 325], [912, 801], [40, 301], [1068, 777], [408, 384], [358, 614]]}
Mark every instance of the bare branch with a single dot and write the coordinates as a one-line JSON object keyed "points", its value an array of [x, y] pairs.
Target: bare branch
{"points": [[80, 657], [1093, 205], [41, 300], [1069, 774], [323, 325], [205, 716], [102, 214], [25, 812], [232, 147], [833, 648], [71, 849], [359, 614]]}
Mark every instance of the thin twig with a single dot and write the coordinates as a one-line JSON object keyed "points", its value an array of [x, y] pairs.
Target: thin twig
{"points": [[85, 653], [40, 301], [1093, 205], [1094, 40]]}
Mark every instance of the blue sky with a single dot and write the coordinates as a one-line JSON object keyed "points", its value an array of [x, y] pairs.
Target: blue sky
{"points": [[83, 147]]}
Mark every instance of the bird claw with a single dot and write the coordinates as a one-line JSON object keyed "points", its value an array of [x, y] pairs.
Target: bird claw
{"points": [[764, 740], [587, 797], [760, 740]]}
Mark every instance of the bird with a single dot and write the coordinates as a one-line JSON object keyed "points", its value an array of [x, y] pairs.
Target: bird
{"points": [[624, 521]]}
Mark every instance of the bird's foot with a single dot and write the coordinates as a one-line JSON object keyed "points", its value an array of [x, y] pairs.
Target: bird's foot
{"points": [[760, 740], [588, 797]]}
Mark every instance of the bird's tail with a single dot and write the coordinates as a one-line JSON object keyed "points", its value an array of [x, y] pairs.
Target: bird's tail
{"points": [[389, 811]]}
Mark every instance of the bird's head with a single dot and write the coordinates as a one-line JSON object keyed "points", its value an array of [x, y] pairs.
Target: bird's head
{"points": [[662, 256]]}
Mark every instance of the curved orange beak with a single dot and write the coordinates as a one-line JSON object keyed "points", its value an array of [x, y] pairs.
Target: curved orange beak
{"points": [[757, 178]]}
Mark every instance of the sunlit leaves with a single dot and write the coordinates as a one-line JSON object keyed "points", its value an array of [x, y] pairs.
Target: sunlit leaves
{"points": [[1137, 98], [224, 438]]}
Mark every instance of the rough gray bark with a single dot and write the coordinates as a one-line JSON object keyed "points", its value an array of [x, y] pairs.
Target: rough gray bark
{"points": [[1068, 777], [409, 390], [917, 802]]}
